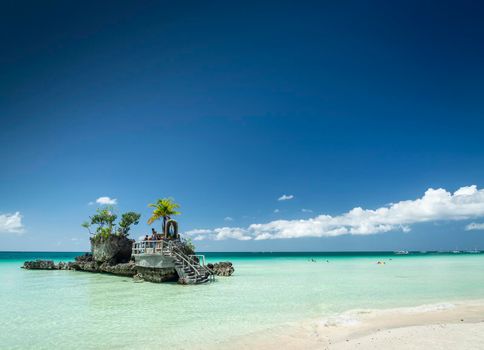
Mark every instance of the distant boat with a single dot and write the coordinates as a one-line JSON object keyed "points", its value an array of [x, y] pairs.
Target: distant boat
{"points": [[401, 252], [456, 252], [473, 251]]}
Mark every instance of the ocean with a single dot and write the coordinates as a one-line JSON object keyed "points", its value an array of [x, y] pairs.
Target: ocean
{"points": [[71, 310]]}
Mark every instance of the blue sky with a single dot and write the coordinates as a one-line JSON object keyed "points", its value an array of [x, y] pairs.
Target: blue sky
{"points": [[227, 106]]}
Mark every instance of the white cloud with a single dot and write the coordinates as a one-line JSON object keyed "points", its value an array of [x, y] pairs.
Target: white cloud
{"points": [[466, 191], [306, 210], [475, 226], [11, 223], [219, 234], [228, 218], [230, 232], [106, 201], [435, 205], [285, 197], [198, 232], [276, 211]]}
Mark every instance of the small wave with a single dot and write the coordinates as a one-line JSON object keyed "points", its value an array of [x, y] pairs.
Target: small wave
{"points": [[429, 308], [344, 319], [354, 317]]}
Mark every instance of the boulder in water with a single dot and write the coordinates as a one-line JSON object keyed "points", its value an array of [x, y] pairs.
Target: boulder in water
{"points": [[40, 265], [123, 269], [223, 268]]}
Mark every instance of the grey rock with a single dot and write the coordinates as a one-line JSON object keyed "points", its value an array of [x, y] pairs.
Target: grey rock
{"points": [[223, 268], [84, 258], [62, 266], [156, 275], [89, 266], [40, 265], [125, 269], [114, 249]]}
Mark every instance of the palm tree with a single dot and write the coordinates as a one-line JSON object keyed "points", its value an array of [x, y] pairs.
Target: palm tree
{"points": [[164, 208]]}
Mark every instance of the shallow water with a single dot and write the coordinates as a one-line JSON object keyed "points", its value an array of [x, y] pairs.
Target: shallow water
{"points": [[46, 309]]}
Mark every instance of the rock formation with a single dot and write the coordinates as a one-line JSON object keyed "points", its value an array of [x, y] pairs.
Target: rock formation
{"points": [[88, 262], [223, 268], [113, 249], [40, 265], [124, 269], [156, 275], [113, 256]]}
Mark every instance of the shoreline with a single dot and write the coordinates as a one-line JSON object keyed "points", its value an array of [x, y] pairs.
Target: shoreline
{"points": [[444, 325]]}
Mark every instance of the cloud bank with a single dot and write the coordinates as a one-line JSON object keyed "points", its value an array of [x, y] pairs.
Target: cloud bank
{"points": [[11, 223], [435, 205]]}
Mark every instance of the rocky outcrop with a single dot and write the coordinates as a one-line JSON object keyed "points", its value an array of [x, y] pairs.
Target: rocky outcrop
{"points": [[223, 268], [63, 266], [156, 275], [84, 258], [126, 269], [84, 263], [87, 263], [88, 266], [113, 256], [40, 265], [113, 249], [45, 265]]}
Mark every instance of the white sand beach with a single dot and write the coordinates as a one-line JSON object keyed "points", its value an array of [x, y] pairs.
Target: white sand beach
{"points": [[437, 336], [457, 325]]}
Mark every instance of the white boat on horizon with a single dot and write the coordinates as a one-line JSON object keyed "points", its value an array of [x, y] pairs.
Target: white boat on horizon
{"points": [[401, 252]]}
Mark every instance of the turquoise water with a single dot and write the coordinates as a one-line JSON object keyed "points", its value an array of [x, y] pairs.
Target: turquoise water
{"points": [[69, 309]]}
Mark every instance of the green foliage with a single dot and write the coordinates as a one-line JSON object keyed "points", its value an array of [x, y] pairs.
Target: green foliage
{"points": [[104, 222], [164, 208], [104, 232], [128, 219], [104, 217], [87, 225], [189, 244]]}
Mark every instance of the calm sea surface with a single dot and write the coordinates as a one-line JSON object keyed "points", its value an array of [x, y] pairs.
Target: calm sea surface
{"points": [[70, 310]]}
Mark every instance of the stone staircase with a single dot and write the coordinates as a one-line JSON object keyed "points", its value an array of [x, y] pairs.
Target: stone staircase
{"points": [[189, 269]]}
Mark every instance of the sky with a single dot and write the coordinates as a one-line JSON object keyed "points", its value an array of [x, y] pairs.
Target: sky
{"points": [[278, 126]]}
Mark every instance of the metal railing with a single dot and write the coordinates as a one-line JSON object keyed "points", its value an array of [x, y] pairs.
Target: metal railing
{"points": [[196, 262], [200, 260], [186, 261], [148, 247]]}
